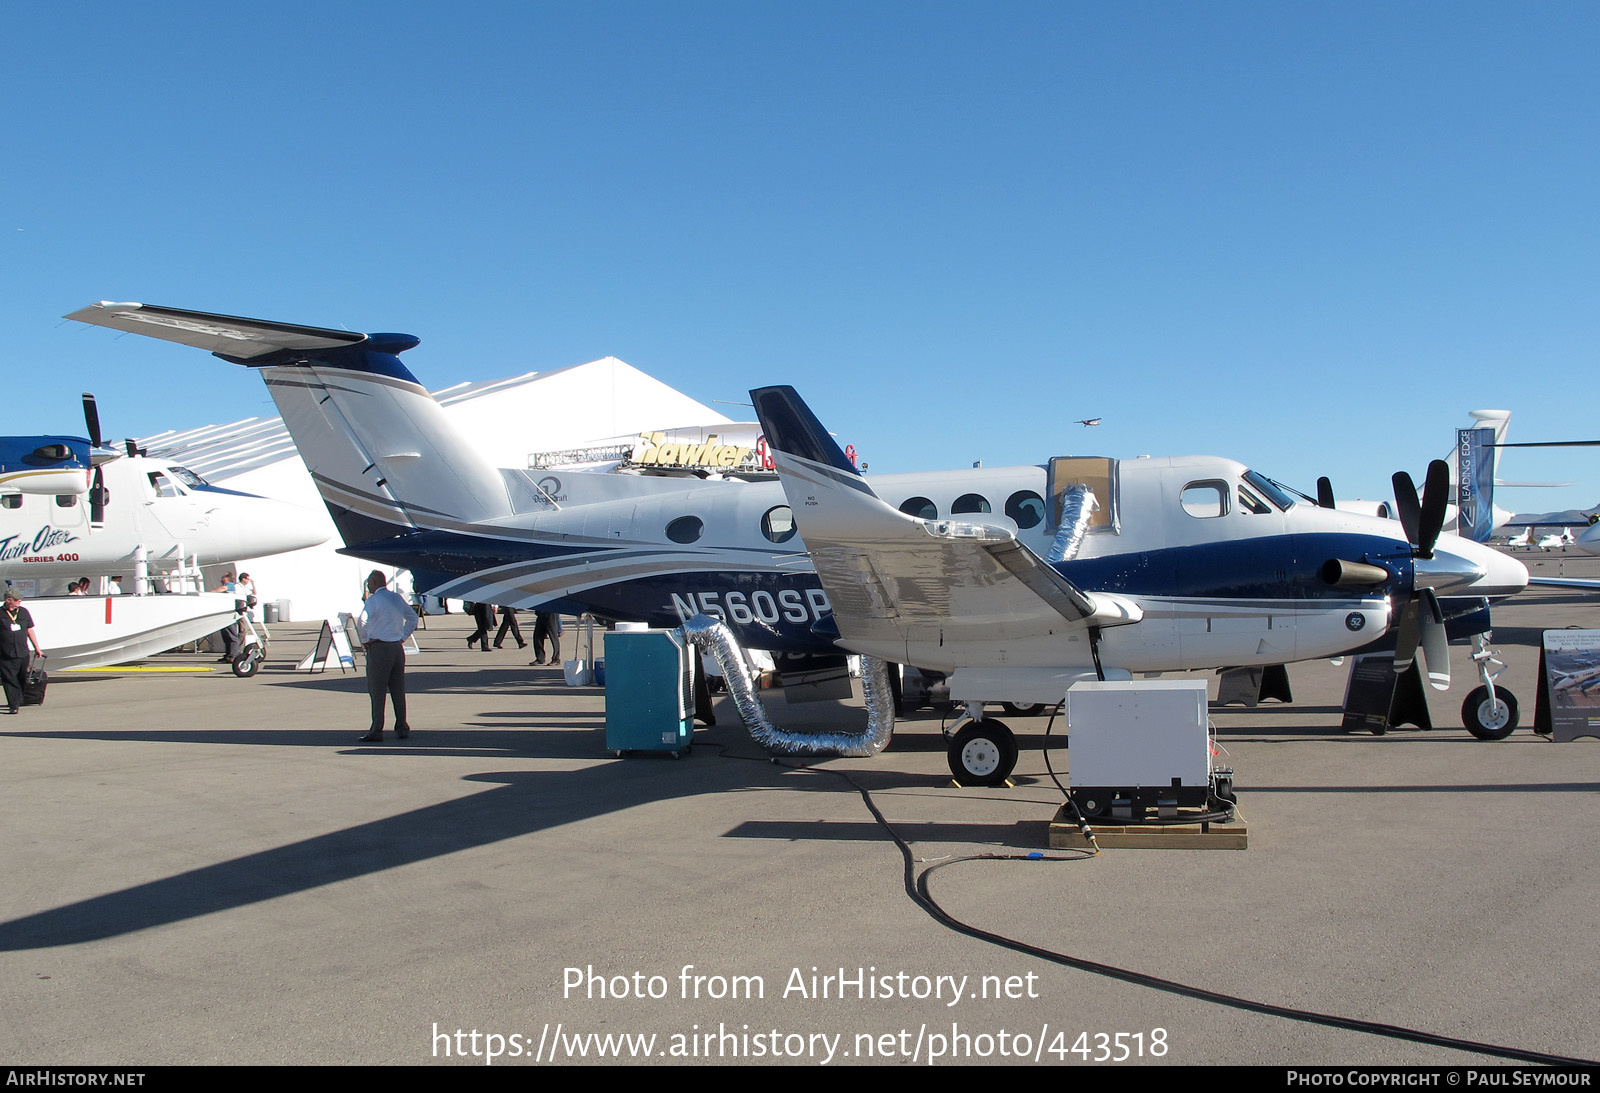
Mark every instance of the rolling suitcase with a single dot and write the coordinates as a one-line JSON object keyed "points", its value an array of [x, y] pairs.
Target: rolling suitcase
{"points": [[34, 683]]}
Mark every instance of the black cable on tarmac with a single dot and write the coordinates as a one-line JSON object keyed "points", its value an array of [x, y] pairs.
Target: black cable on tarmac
{"points": [[918, 888]]}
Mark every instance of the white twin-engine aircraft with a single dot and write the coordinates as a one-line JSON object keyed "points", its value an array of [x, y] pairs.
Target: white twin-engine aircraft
{"points": [[1186, 563], [72, 508]]}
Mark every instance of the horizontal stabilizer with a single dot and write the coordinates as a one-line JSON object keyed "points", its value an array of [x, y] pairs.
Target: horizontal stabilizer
{"points": [[225, 335]]}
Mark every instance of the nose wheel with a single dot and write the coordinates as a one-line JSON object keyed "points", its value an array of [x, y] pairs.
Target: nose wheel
{"points": [[248, 662], [1490, 718]]}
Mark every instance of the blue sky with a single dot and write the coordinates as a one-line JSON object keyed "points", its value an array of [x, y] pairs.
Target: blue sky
{"points": [[1310, 236]]}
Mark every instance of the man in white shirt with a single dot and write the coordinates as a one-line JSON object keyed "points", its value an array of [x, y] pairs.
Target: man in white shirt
{"points": [[385, 622]]}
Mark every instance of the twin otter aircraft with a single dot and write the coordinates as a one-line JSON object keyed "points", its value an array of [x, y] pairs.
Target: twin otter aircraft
{"points": [[1171, 564], [71, 508]]}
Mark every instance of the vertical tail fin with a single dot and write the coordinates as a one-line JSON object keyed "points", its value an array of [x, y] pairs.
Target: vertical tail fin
{"points": [[382, 452]]}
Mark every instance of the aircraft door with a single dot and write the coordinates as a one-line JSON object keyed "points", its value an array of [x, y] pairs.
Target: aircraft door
{"points": [[1097, 472]]}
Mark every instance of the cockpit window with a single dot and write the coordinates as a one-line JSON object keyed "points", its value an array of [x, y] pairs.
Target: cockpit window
{"points": [[1249, 502], [1270, 490], [188, 477], [1205, 500], [163, 485]]}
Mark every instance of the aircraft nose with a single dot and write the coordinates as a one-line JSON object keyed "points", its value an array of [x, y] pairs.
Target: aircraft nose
{"points": [[1503, 575], [273, 527], [1589, 541], [1461, 567]]}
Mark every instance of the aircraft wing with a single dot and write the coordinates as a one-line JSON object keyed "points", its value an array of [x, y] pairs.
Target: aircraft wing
{"points": [[895, 580], [228, 336], [1588, 584]]}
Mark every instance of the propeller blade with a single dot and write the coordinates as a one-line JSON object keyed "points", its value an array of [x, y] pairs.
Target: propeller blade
{"points": [[1407, 507], [97, 497], [91, 419], [1435, 642], [1325, 493], [1435, 497], [1408, 632]]}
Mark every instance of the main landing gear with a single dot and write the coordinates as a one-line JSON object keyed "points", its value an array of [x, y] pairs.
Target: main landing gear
{"points": [[981, 752]]}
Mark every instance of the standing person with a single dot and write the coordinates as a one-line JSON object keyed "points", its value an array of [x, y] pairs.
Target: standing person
{"points": [[508, 621], [79, 587], [546, 624], [16, 634], [248, 588], [383, 626], [232, 634], [483, 613]]}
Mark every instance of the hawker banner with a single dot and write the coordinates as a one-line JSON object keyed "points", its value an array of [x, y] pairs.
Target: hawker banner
{"points": [[1475, 484]]}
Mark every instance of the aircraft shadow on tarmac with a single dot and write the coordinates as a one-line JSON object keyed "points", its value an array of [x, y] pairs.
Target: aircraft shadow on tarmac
{"points": [[516, 803]]}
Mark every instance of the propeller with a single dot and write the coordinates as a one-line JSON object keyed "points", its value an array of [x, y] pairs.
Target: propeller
{"points": [[1421, 620], [98, 495], [1423, 518], [91, 419]]}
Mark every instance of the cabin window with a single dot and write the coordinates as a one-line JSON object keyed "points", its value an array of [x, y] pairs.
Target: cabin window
{"points": [[969, 502], [11, 500], [188, 477], [686, 529], [778, 524], [1025, 508], [920, 507], [1205, 499], [66, 500]]}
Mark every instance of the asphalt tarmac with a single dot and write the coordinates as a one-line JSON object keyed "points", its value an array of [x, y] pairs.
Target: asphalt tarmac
{"points": [[204, 869]]}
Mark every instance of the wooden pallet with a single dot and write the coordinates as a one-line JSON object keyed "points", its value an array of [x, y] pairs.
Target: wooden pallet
{"points": [[1065, 834]]}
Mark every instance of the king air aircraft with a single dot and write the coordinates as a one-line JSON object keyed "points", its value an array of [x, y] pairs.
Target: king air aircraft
{"points": [[71, 507], [1205, 563], [1192, 562]]}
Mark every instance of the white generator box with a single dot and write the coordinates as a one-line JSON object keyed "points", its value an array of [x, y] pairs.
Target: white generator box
{"points": [[1144, 741]]}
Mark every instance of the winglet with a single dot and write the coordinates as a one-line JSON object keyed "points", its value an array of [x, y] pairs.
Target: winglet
{"points": [[791, 427]]}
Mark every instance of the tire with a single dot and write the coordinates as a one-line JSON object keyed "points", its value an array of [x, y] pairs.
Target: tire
{"points": [[1023, 709], [248, 663], [1488, 723], [983, 754]]}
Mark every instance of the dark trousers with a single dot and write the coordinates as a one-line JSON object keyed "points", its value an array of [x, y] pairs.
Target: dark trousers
{"points": [[484, 614], [386, 676], [547, 625], [11, 672], [508, 621]]}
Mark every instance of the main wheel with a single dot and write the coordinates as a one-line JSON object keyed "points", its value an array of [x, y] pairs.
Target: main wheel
{"points": [[983, 753], [1023, 709], [1490, 720]]}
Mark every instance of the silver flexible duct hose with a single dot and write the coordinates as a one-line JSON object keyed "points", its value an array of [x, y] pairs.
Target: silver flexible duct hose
{"points": [[1078, 505], [705, 632]]}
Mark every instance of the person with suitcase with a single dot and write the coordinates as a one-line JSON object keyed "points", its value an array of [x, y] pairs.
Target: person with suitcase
{"points": [[16, 634]]}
